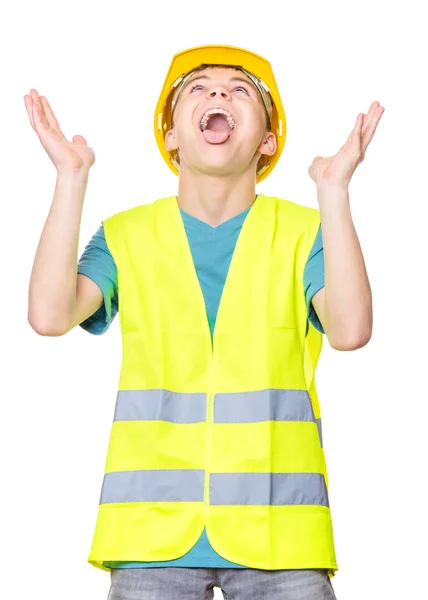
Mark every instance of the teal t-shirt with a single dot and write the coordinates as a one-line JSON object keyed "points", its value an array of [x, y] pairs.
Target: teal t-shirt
{"points": [[212, 249]]}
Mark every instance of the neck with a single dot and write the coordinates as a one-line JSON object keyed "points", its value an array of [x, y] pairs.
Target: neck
{"points": [[215, 199]]}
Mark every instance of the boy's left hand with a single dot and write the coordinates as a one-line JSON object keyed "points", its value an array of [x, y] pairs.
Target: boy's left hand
{"points": [[338, 169]]}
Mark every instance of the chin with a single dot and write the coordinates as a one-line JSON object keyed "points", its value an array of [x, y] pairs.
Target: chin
{"points": [[218, 168]]}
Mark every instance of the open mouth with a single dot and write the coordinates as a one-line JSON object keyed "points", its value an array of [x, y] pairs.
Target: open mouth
{"points": [[217, 125]]}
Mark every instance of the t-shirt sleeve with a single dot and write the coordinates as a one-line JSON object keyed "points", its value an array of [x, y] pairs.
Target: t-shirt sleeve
{"points": [[98, 264], [313, 278]]}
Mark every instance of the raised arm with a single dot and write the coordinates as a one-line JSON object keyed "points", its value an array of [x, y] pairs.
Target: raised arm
{"points": [[58, 297], [344, 305]]}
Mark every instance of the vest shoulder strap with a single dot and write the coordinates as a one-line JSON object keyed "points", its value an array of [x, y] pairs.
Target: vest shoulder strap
{"points": [[302, 219]]}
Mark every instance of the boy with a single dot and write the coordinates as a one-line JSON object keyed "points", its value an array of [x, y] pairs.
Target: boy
{"points": [[215, 472]]}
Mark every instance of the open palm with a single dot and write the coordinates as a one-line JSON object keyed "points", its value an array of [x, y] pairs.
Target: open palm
{"points": [[65, 155], [340, 167]]}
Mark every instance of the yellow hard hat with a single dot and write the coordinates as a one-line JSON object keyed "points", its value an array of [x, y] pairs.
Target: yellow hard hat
{"points": [[188, 60]]}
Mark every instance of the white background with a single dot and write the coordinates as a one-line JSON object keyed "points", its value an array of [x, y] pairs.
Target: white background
{"points": [[101, 66]]}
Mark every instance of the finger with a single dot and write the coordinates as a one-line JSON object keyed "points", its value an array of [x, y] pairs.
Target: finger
{"points": [[52, 120], [36, 98], [37, 117], [356, 131], [370, 129], [29, 107], [371, 117], [359, 123], [373, 106]]}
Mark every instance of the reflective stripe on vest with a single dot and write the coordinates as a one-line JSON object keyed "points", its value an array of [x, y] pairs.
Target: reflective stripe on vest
{"points": [[236, 407], [187, 485]]}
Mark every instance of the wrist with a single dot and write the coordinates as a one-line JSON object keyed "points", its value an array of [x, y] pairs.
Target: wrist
{"points": [[338, 186], [332, 192], [71, 175]]}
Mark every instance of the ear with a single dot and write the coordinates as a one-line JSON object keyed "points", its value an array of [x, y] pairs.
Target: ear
{"points": [[170, 141], [268, 144]]}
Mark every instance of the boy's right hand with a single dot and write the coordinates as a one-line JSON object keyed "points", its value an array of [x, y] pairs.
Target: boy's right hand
{"points": [[74, 156]]}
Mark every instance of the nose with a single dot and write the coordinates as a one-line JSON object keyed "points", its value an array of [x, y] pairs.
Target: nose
{"points": [[219, 90]]}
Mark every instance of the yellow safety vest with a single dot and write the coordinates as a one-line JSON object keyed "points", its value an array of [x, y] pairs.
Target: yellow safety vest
{"points": [[224, 434]]}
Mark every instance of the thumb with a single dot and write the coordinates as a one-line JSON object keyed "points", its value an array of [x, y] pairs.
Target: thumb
{"points": [[79, 139], [317, 158]]}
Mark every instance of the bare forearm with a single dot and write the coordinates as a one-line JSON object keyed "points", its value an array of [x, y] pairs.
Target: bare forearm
{"points": [[348, 297], [52, 289]]}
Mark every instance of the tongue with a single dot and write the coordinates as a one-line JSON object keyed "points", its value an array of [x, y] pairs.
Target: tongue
{"points": [[215, 137], [217, 131]]}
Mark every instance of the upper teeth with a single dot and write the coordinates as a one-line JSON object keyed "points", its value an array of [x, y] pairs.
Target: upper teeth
{"points": [[216, 111]]}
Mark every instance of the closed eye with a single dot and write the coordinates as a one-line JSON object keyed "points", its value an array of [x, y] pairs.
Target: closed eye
{"points": [[198, 85]]}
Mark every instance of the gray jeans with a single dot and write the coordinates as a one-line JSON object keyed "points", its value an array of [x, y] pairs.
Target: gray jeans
{"points": [[197, 583]]}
